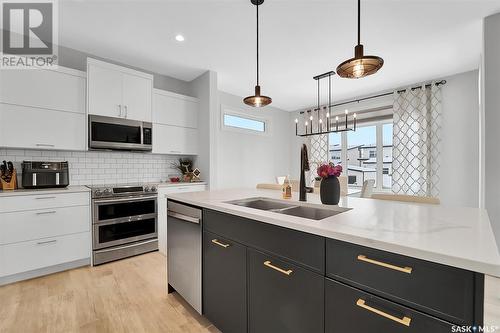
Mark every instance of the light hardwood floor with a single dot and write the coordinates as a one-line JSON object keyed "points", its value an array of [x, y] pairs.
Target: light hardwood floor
{"points": [[124, 296]]}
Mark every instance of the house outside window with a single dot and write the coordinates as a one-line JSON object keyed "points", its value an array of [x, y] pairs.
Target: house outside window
{"points": [[367, 152]]}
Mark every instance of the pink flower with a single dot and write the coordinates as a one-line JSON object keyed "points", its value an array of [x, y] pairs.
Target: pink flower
{"points": [[329, 170]]}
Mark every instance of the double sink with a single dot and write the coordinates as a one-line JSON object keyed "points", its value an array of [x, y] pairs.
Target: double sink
{"points": [[312, 212]]}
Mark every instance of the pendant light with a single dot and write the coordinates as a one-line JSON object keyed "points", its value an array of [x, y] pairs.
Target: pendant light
{"points": [[257, 100], [361, 65]]}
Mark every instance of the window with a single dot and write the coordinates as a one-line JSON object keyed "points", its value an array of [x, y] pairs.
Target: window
{"points": [[335, 148], [367, 154], [387, 153], [361, 154], [236, 121]]}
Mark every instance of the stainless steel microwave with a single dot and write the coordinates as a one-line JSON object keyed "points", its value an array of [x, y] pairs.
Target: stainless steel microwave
{"points": [[119, 134]]}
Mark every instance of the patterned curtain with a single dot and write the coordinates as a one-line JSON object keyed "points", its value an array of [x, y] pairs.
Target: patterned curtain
{"points": [[416, 140], [318, 153]]}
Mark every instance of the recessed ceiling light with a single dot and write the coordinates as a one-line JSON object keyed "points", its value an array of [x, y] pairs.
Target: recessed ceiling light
{"points": [[179, 38]]}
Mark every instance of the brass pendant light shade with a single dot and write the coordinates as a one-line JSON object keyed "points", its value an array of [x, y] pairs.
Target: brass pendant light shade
{"points": [[361, 65], [257, 100]]}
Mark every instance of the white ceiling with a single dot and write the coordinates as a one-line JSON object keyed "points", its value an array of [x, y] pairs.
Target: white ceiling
{"points": [[418, 39]]}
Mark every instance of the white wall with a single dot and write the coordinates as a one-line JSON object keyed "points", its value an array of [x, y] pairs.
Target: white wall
{"points": [[460, 159], [245, 159], [460, 162], [491, 103], [205, 89]]}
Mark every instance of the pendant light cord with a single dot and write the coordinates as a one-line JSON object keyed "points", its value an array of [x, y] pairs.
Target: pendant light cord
{"points": [[359, 22], [257, 42]]}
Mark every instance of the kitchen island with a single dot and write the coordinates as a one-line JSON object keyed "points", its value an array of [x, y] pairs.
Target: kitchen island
{"points": [[380, 266]]}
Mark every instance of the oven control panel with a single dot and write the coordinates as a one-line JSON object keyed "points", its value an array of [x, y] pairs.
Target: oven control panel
{"points": [[122, 190]]}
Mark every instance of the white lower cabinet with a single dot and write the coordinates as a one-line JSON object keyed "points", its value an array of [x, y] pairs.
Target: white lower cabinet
{"points": [[42, 230], [46, 252], [162, 209], [42, 200], [175, 140], [43, 223]]}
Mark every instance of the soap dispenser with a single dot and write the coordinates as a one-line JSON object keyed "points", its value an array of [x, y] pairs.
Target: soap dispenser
{"points": [[287, 188]]}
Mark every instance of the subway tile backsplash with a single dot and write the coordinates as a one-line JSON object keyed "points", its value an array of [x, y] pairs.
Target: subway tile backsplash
{"points": [[100, 167]]}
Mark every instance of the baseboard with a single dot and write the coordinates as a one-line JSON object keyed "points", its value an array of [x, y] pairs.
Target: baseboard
{"points": [[43, 271]]}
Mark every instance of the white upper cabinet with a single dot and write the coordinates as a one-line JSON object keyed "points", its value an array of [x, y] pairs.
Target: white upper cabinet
{"points": [[137, 97], [120, 92], [43, 109], [61, 89], [174, 109], [174, 140], [105, 91], [28, 127], [175, 123]]}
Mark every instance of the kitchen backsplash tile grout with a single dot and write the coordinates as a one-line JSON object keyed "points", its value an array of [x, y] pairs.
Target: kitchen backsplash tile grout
{"points": [[100, 167]]}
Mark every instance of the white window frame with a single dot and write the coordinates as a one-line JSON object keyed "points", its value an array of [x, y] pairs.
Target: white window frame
{"points": [[379, 125], [225, 110]]}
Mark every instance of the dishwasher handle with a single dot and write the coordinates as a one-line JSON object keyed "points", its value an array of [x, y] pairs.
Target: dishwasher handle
{"points": [[183, 217]]}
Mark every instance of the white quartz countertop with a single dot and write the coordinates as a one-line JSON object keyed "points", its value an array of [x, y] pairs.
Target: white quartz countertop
{"points": [[455, 236], [28, 191]]}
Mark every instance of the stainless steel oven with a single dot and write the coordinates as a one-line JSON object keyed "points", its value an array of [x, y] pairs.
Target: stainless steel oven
{"points": [[124, 220], [123, 223], [119, 133]]}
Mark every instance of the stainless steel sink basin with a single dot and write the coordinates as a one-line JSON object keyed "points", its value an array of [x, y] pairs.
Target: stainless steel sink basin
{"points": [[262, 204], [311, 213], [308, 211]]}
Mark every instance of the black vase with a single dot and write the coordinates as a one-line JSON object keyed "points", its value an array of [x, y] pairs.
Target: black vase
{"points": [[330, 190]]}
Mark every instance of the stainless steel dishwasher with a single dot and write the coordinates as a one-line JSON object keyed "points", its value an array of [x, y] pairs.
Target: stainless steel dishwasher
{"points": [[184, 252]]}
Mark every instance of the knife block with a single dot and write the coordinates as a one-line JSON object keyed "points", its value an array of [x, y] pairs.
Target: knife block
{"points": [[12, 185]]}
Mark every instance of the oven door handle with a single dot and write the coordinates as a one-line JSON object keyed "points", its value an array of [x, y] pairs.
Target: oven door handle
{"points": [[127, 219], [183, 217], [113, 200]]}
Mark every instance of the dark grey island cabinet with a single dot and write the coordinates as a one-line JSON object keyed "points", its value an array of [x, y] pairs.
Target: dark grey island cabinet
{"points": [[224, 283], [283, 297], [261, 278], [352, 310]]}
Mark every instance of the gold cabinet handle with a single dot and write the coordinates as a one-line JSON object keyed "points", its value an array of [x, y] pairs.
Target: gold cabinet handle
{"points": [[406, 270], [268, 264], [403, 321], [216, 241]]}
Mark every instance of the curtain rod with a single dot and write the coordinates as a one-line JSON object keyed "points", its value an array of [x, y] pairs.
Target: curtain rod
{"points": [[442, 82]]}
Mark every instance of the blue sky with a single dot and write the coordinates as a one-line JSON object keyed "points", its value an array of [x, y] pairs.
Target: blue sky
{"points": [[364, 135]]}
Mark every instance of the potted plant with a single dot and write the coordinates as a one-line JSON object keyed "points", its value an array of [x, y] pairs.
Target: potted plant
{"points": [[330, 185], [185, 166]]}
